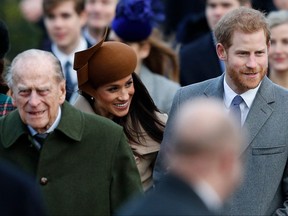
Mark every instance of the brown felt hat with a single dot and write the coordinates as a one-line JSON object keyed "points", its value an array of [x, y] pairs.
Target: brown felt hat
{"points": [[103, 63]]}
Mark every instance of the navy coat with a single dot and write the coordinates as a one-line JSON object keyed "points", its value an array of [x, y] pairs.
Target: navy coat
{"points": [[199, 61], [172, 196]]}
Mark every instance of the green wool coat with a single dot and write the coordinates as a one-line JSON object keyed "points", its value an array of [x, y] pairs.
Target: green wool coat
{"points": [[85, 166]]}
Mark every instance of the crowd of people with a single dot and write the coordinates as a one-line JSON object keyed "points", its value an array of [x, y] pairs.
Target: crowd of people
{"points": [[110, 117]]}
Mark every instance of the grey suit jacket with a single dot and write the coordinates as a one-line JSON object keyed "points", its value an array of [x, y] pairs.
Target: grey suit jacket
{"points": [[161, 89], [264, 190]]}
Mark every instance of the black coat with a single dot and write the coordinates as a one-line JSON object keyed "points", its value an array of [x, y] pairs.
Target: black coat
{"points": [[171, 197], [19, 193], [199, 61]]}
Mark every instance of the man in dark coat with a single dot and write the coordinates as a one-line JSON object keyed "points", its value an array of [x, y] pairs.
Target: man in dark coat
{"points": [[82, 162], [198, 59], [204, 164]]}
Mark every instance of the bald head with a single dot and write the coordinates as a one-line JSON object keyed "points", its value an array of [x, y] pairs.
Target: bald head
{"points": [[206, 146], [203, 126], [37, 59]]}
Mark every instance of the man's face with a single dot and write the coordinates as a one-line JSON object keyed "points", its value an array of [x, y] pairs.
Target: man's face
{"points": [[100, 13], [281, 4], [215, 9], [64, 25], [246, 60], [37, 94], [278, 53]]}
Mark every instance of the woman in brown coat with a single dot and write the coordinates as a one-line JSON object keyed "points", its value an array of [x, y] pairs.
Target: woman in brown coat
{"points": [[109, 87]]}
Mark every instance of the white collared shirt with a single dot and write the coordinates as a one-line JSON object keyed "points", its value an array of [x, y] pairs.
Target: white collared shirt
{"points": [[88, 36], [63, 58], [247, 96], [208, 195]]}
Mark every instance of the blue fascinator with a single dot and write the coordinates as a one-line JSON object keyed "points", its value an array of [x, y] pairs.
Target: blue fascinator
{"points": [[135, 19]]}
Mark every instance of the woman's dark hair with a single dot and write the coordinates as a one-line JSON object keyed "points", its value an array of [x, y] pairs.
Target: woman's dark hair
{"points": [[142, 113]]}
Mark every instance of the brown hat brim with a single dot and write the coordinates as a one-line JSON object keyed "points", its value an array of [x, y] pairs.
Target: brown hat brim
{"points": [[103, 63]]}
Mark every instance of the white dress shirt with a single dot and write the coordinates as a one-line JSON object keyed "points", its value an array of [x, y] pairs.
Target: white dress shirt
{"points": [[247, 96], [63, 58], [88, 36], [208, 195]]}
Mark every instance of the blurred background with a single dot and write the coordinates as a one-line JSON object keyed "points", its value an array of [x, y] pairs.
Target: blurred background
{"points": [[23, 33], [27, 31]]}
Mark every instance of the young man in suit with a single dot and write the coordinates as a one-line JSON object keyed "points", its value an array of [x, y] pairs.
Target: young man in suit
{"points": [[198, 59], [204, 164], [243, 40], [64, 20], [82, 162]]}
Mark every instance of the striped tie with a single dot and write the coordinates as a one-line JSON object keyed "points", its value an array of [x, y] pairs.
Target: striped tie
{"points": [[39, 139], [69, 83]]}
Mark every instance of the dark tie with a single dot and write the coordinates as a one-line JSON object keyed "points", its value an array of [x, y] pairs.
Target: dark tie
{"points": [[39, 138], [235, 108], [69, 83]]}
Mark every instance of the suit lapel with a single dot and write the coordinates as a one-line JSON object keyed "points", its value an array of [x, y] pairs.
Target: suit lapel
{"points": [[260, 111], [216, 88]]}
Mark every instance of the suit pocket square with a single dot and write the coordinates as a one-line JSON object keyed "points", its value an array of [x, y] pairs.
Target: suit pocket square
{"points": [[268, 151]]}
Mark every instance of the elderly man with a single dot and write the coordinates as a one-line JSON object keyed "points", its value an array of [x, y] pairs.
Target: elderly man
{"points": [[82, 162], [204, 164], [243, 40]]}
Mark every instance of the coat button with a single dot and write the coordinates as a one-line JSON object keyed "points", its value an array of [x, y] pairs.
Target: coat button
{"points": [[43, 181]]}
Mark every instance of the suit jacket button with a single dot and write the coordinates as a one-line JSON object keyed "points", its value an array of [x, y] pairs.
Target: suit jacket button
{"points": [[43, 181]]}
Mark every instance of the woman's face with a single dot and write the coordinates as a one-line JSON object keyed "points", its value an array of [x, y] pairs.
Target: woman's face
{"points": [[114, 99], [278, 53]]}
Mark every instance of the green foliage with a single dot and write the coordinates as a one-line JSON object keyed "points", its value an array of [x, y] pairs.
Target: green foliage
{"points": [[23, 35]]}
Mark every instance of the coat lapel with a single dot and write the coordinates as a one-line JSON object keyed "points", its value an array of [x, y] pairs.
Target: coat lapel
{"points": [[12, 122], [260, 111], [215, 88], [72, 122]]}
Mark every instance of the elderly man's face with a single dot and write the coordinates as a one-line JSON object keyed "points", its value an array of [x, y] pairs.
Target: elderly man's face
{"points": [[37, 93]]}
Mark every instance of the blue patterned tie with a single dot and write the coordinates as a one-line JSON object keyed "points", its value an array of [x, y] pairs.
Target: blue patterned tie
{"points": [[235, 107], [39, 140], [69, 83]]}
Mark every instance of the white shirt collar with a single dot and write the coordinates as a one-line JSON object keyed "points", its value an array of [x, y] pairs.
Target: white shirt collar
{"points": [[247, 96], [53, 126], [63, 58], [208, 195], [88, 36]]}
